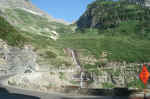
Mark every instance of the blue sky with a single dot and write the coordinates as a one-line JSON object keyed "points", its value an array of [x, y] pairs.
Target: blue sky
{"points": [[69, 10]]}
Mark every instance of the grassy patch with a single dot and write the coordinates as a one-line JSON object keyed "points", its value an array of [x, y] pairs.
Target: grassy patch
{"points": [[50, 54], [62, 76], [119, 48], [136, 84], [10, 34], [108, 85]]}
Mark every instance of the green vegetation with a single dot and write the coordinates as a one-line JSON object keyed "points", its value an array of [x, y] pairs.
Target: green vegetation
{"points": [[10, 34], [136, 84], [50, 54], [118, 28], [73, 82], [44, 46], [61, 76], [117, 73], [108, 85], [92, 68], [38, 23], [119, 48], [42, 22], [106, 14]]}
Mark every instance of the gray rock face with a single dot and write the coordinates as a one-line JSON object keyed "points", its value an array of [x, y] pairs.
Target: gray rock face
{"points": [[16, 60], [147, 3], [141, 2]]}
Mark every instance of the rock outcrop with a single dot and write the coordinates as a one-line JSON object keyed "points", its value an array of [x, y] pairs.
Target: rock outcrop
{"points": [[140, 2], [16, 60]]}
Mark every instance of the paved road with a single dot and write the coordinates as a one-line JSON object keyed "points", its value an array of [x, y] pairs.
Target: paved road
{"points": [[7, 92]]}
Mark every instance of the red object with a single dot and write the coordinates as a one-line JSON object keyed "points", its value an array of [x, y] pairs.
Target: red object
{"points": [[144, 75]]}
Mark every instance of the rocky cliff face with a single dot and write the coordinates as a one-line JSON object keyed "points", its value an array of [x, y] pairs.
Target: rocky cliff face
{"points": [[28, 26], [24, 16], [109, 14], [16, 60], [140, 2], [147, 3]]}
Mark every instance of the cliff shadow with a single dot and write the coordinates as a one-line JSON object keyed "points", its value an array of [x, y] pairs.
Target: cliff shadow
{"points": [[122, 93], [5, 94]]}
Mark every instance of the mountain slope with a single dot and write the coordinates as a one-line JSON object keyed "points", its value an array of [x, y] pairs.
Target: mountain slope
{"points": [[21, 23], [109, 14], [117, 28], [10, 34], [26, 17], [102, 39], [26, 5]]}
